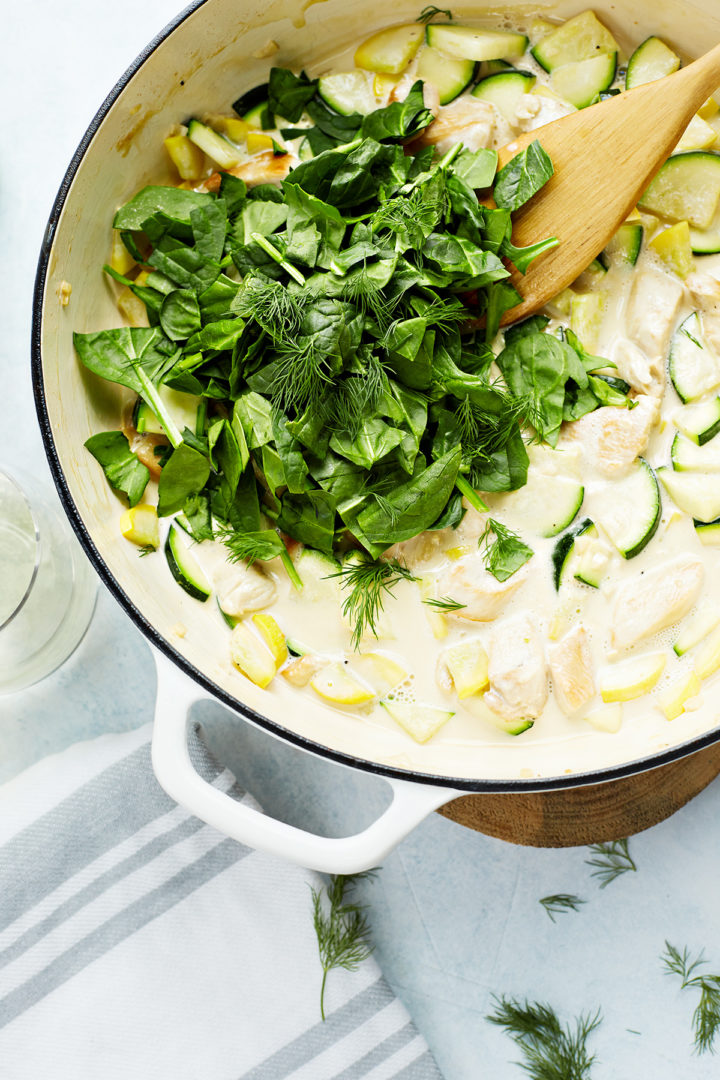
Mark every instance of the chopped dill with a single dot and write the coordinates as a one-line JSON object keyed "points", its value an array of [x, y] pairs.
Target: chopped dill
{"points": [[146, 549], [445, 603], [611, 860], [560, 902], [368, 582], [428, 14], [706, 1017], [341, 927]]}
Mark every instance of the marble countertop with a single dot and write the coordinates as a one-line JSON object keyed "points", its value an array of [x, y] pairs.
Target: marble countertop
{"points": [[455, 915]]}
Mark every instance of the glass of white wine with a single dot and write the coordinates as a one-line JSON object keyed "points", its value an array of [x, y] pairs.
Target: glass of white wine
{"points": [[47, 587]]}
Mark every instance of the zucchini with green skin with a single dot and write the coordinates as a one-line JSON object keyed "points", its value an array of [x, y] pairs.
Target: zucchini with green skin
{"points": [[449, 75], [550, 502], [420, 721], [390, 51], [504, 90], [563, 548], [708, 532], [580, 38], [217, 147], [697, 493], [348, 92], [693, 367], [687, 456], [184, 567], [585, 565], [686, 188], [652, 60], [625, 245], [581, 82], [700, 422], [632, 510], [473, 43]]}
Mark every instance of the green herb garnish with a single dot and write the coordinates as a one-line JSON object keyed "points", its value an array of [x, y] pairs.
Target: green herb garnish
{"points": [[430, 12], [368, 582], [610, 861], [341, 928], [445, 603], [550, 1051], [706, 1017], [506, 554], [555, 905]]}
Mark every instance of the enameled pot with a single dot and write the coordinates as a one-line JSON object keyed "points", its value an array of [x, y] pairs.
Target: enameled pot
{"points": [[205, 59]]}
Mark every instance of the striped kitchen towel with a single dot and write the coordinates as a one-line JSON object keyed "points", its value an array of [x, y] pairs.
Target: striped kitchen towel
{"points": [[135, 941]]}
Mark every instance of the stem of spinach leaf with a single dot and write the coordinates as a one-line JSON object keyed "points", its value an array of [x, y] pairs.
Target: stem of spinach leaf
{"points": [[290, 568], [152, 397], [470, 493], [264, 243]]}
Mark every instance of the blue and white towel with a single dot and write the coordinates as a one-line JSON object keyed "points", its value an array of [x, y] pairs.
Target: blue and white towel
{"points": [[135, 941]]}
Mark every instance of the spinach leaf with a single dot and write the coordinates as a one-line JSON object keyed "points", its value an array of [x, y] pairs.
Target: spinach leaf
{"points": [[197, 515], [176, 203], [415, 505], [116, 355], [254, 413], [537, 367], [476, 168], [185, 473], [399, 121], [180, 314], [218, 335], [234, 191], [123, 470], [374, 441], [185, 266], [336, 127], [310, 518], [522, 177], [504, 552], [209, 226], [288, 94], [521, 257]]}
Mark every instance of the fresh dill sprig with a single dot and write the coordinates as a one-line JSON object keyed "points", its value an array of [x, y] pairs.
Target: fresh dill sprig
{"points": [[428, 14], [555, 905], [261, 546], [706, 1018], [483, 434], [353, 399], [146, 549], [550, 1051], [506, 553], [611, 860], [301, 376], [366, 293], [445, 603], [274, 308], [341, 928], [368, 582]]}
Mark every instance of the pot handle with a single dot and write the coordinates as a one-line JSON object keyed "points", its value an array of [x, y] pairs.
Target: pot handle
{"points": [[175, 772]]}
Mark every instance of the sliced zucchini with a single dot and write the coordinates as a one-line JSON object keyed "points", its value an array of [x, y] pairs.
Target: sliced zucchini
{"points": [[217, 147], [448, 74], [181, 406], [335, 683], [698, 135], [632, 510], [588, 558], [381, 672], [694, 368], [592, 276], [581, 82], [251, 657], [504, 91], [563, 548], [258, 118], [706, 241], [549, 502], [140, 525], [699, 422], [305, 150], [625, 245], [420, 721], [708, 533], [631, 678], [674, 248], [184, 566], [686, 188], [474, 43], [650, 61], [348, 92], [492, 67], [607, 719], [695, 628], [587, 311], [687, 456], [390, 51], [317, 574], [229, 620], [478, 708], [272, 635], [672, 700], [467, 663], [697, 493], [581, 38], [707, 659]]}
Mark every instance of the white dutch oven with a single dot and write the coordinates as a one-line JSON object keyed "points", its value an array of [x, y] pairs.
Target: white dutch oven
{"points": [[201, 63]]}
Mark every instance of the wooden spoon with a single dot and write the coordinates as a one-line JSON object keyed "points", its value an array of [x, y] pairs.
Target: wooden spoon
{"points": [[604, 157]]}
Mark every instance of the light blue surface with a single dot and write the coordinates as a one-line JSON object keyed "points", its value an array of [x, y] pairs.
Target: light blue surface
{"points": [[455, 915]]}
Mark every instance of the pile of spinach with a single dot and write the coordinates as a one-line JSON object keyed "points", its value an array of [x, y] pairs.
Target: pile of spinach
{"points": [[323, 327]]}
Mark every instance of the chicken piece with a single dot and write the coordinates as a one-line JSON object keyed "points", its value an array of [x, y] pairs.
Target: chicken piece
{"points": [[469, 121], [650, 602], [420, 551], [517, 670], [240, 588], [536, 110], [263, 168], [613, 437], [468, 582], [644, 374], [705, 291], [299, 672], [571, 668], [652, 310]]}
